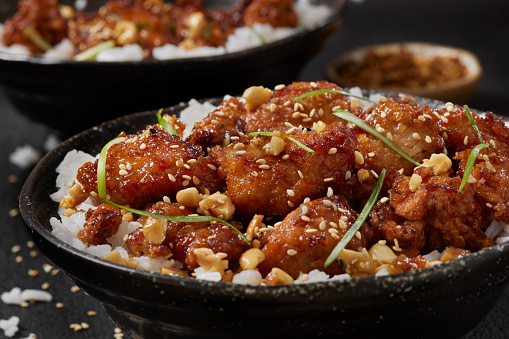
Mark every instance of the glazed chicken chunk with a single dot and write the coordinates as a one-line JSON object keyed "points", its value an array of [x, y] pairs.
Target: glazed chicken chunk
{"points": [[149, 165], [271, 175]]}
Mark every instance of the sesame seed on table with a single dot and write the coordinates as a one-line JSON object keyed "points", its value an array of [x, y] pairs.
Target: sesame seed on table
{"points": [[73, 314]]}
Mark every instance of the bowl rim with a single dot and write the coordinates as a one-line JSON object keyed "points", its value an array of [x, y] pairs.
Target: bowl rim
{"points": [[337, 12], [474, 66], [424, 275]]}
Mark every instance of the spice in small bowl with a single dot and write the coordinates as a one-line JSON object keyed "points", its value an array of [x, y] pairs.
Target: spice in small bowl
{"points": [[423, 69]]}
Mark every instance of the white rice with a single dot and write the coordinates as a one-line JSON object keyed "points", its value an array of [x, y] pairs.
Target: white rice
{"points": [[16, 296], [243, 38], [25, 156], [10, 326]]}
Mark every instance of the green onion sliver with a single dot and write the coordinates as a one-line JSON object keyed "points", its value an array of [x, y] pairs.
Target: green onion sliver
{"points": [[320, 91], [37, 38], [470, 164], [366, 127], [301, 145], [358, 223], [91, 53], [167, 127], [472, 122], [101, 167], [181, 218], [258, 35]]}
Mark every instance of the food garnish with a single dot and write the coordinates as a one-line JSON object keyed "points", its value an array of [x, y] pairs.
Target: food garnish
{"points": [[164, 124], [340, 113], [101, 166], [283, 135], [475, 151], [358, 222], [320, 91], [180, 218], [37, 39], [91, 53]]}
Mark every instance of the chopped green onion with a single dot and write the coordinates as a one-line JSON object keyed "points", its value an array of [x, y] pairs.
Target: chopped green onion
{"points": [[101, 167], [301, 145], [358, 223], [320, 91], [91, 53], [470, 164], [258, 35], [167, 127], [366, 127], [181, 218], [37, 38], [472, 122]]}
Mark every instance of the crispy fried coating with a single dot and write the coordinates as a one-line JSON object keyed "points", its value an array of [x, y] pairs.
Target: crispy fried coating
{"points": [[150, 165], [231, 118], [278, 13], [417, 133], [461, 218], [43, 16], [182, 238], [100, 224], [261, 183], [490, 180], [462, 136], [306, 237]]}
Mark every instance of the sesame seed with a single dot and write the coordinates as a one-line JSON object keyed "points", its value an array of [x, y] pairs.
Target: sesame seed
{"points": [[59, 305], [327, 203], [290, 203], [333, 150], [296, 115], [313, 84], [384, 199], [187, 177], [264, 166], [489, 205], [33, 273], [322, 225], [143, 146], [311, 230], [261, 161], [305, 218], [15, 248], [185, 183], [34, 254], [171, 177], [13, 212], [212, 167], [12, 179], [166, 199], [305, 210], [285, 157], [300, 174], [196, 181], [335, 236], [371, 154], [389, 136], [122, 172], [342, 224], [465, 141], [45, 286], [291, 252], [348, 175], [47, 268], [333, 231], [416, 136], [333, 224], [279, 87], [421, 117], [427, 139], [328, 179], [287, 103], [358, 235], [174, 146], [306, 200], [75, 289], [238, 146], [330, 192]]}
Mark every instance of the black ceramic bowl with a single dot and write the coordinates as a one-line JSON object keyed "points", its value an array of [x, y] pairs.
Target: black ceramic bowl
{"points": [[444, 301], [72, 96]]}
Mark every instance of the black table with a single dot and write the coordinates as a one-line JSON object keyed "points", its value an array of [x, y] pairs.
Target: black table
{"points": [[479, 26]]}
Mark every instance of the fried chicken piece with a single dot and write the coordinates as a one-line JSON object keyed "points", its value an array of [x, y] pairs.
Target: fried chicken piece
{"points": [[417, 133], [277, 13], [150, 165], [270, 176], [100, 224], [461, 218], [225, 121], [489, 179], [231, 118], [462, 136], [41, 15], [181, 238], [408, 235], [307, 236]]}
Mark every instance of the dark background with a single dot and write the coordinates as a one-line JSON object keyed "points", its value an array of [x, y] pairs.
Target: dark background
{"points": [[479, 26]]}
